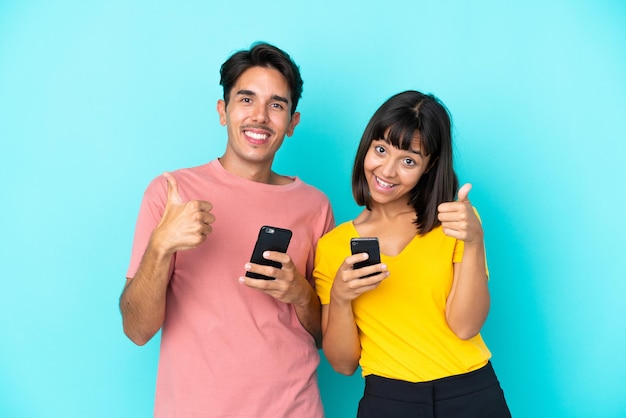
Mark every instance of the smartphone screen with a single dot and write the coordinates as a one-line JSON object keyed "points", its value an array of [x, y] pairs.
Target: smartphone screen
{"points": [[271, 238], [367, 245]]}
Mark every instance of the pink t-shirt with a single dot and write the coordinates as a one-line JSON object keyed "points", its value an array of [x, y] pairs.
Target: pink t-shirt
{"points": [[228, 350]]}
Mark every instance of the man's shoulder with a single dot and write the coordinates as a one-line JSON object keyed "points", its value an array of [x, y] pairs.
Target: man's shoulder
{"points": [[184, 176], [198, 169], [311, 193], [186, 171], [312, 188]]}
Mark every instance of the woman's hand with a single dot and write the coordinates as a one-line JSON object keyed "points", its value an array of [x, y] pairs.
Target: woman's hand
{"points": [[458, 219], [350, 283]]}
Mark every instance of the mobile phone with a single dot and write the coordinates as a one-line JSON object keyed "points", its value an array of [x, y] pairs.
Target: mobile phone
{"points": [[367, 245], [271, 238]]}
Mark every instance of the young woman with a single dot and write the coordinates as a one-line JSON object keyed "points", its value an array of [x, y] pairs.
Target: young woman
{"points": [[414, 325]]}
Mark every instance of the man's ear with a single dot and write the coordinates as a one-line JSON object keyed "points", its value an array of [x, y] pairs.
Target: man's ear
{"points": [[295, 120], [221, 110]]}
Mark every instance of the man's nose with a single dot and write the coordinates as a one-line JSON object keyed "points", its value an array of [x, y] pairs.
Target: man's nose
{"points": [[260, 113]]}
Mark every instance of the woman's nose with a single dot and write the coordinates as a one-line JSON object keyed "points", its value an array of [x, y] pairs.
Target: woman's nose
{"points": [[388, 168]]}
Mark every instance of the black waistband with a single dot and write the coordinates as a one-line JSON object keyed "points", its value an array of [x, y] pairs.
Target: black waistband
{"points": [[434, 390]]}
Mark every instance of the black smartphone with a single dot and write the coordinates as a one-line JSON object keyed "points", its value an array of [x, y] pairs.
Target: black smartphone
{"points": [[271, 238], [367, 245]]}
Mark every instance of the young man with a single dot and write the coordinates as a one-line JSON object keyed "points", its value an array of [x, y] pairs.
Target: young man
{"points": [[232, 345]]}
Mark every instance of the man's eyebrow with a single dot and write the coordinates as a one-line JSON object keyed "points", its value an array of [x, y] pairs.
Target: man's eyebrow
{"points": [[280, 98], [274, 97], [246, 93]]}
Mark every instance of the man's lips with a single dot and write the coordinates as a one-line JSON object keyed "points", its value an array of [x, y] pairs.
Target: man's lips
{"points": [[257, 132], [256, 135]]}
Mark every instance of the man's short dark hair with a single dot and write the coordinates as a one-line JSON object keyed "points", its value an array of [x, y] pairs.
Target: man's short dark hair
{"points": [[261, 54]]}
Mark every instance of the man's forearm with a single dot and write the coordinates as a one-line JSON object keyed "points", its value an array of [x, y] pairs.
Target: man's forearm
{"points": [[310, 315], [143, 300]]}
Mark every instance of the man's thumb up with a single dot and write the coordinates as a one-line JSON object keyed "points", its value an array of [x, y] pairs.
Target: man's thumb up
{"points": [[172, 189]]}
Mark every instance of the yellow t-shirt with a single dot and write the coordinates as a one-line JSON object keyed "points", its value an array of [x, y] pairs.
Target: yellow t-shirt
{"points": [[402, 325]]}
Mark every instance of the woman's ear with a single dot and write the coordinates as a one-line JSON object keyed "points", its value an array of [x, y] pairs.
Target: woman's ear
{"points": [[431, 164]]}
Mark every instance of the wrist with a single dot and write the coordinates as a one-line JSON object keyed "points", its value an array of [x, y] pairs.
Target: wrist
{"points": [[159, 246], [307, 295], [340, 302], [475, 244]]}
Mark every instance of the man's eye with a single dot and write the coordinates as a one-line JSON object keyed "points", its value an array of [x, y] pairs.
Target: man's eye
{"points": [[277, 105], [246, 99]]}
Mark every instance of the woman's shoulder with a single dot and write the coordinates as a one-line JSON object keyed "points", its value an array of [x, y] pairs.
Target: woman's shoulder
{"points": [[340, 232]]}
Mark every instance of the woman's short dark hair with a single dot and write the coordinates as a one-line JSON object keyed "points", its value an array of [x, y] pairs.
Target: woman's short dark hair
{"points": [[261, 54], [397, 121]]}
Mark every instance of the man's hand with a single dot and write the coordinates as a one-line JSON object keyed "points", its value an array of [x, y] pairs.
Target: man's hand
{"points": [[288, 284], [289, 287], [183, 225]]}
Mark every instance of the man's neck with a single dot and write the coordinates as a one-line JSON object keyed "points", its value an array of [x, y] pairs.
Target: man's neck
{"points": [[260, 173]]}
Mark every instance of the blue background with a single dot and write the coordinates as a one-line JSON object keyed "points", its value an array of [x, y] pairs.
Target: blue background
{"points": [[97, 98]]}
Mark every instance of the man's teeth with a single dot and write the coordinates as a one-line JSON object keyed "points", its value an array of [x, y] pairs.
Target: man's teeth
{"points": [[254, 135]]}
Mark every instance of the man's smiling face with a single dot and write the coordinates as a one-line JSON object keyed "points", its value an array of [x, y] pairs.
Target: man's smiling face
{"points": [[257, 117]]}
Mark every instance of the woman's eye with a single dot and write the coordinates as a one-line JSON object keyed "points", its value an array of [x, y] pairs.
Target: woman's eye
{"points": [[380, 149], [409, 162]]}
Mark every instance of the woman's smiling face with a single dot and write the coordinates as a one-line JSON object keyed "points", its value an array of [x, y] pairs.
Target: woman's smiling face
{"points": [[391, 172]]}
